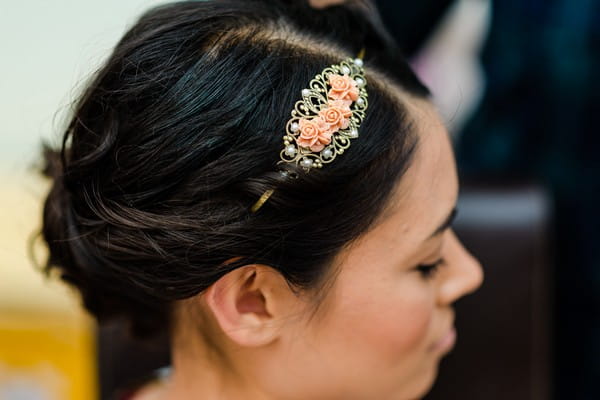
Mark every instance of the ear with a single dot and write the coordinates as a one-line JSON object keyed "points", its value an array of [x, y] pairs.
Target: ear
{"points": [[250, 302]]}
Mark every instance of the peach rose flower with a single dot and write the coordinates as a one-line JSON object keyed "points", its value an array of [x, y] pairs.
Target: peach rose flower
{"points": [[336, 115], [314, 133], [342, 88]]}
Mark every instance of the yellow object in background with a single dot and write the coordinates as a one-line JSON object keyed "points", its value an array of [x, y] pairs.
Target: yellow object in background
{"points": [[47, 347], [45, 356]]}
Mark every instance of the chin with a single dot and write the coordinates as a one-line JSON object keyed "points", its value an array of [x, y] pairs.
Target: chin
{"points": [[423, 385]]}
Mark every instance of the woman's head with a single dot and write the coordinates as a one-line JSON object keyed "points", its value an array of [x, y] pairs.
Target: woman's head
{"points": [[175, 139]]}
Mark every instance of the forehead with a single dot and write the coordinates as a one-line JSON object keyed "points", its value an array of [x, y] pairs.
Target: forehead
{"points": [[429, 188]]}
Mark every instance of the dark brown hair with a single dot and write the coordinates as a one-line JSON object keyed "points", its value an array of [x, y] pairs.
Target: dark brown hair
{"points": [[178, 134]]}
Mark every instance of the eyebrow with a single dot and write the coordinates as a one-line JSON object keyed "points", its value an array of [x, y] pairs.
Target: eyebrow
{"points": [[446, 224]]}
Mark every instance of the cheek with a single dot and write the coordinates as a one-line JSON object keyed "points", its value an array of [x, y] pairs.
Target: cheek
{"points": [[397, 325], [390, 322]]}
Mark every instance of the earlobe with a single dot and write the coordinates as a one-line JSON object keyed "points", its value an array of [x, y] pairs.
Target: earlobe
{"points": [[240, 302]]}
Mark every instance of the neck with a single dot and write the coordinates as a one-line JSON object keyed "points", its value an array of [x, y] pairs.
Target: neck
{"points": [[198, 373]]}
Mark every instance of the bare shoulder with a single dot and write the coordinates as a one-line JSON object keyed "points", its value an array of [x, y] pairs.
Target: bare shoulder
{"points": [[151, 391]]}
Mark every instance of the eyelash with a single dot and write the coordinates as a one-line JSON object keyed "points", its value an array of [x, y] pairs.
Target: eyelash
{"points": [[428, 271]]}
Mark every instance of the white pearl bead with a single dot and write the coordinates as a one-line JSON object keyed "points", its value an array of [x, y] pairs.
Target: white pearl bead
{"points": [[345, 70], [354, 133], [290, 150], [305, 92], [327, 153], [360, 101], [294, 127], [359, 82], [307, 162], [358, 62]]}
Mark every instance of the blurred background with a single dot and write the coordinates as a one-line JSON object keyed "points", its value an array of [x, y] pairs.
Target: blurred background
{"points": [[515, 82], [49, 49]]}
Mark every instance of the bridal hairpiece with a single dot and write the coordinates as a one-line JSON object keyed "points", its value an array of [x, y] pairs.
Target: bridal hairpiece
{"points": [[325, 119]]}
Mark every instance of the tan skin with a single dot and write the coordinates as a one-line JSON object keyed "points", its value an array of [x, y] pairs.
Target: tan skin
{"points": [[325, 3], [374, 335]]}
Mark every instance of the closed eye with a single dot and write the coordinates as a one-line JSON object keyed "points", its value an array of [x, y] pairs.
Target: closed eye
{"points": [[428, 271]]}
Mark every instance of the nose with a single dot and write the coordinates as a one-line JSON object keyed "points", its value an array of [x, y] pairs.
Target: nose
{"points": [[464, 274]]}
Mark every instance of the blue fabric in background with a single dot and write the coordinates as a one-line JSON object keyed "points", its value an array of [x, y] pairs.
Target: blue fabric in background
{"points": [[540, 118]]}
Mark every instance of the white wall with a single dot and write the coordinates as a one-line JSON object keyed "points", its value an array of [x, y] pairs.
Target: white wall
{"points": [[47, 47]]}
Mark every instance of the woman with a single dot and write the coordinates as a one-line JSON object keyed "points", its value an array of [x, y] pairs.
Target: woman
{"points": [[174, 206]]}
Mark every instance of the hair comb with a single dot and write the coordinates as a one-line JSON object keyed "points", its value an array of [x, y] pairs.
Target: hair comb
{"points": [[326, 118]]}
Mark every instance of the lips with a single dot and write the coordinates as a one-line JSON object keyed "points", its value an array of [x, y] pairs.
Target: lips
{"points": [[446, 342]]}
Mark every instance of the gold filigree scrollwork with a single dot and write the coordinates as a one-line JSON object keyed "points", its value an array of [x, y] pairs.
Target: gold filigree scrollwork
{"points": [[315, 99]]}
